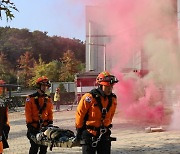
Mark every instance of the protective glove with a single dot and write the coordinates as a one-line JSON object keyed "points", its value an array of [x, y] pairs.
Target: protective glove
{"points": [[6, 129], [31, 129], [76, 140], [29, 126], [79, 133], [50, 122]]}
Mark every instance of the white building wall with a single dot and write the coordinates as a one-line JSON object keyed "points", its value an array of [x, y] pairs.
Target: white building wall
{"points": [[97, 41]]}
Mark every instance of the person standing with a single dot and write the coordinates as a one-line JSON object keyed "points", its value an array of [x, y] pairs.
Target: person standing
{"points": [[57, 99], [39, 113], [94, 115], [4, 126]]}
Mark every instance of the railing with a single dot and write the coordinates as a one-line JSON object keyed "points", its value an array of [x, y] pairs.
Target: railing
{"points": [[13, 103]]}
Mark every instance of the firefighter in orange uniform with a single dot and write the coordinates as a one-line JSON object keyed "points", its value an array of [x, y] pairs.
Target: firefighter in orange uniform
{"points": [[1, 145], [94, 115], [39, 113], [4, 126]]}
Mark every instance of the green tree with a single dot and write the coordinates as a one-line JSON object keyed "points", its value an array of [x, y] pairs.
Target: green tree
{"points": [[7, 7], [81, 67], [51, 70], [6, 72], [38, 70]]}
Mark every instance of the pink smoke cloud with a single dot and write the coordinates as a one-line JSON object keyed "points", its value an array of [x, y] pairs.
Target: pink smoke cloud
{"points": [[147, 25], [139, 101]]}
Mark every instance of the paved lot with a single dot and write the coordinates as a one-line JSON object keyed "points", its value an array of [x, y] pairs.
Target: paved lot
{"points": [[131, 138], [18, 142]]}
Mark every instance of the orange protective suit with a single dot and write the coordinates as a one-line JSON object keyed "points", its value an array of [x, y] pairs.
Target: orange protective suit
{"points": [[88, 105], [3, 121], [32, 111], [1, 147]]}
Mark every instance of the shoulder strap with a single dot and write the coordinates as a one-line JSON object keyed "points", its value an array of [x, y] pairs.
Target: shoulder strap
{"points": [[96, 94], [38, 106], [110, 101], [36, 96]]}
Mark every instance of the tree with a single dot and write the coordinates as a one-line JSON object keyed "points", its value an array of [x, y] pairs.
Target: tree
{"points": [[26, 64], [51, 70], [14, 42], [6, 73], [7, 6], [69, 66]]}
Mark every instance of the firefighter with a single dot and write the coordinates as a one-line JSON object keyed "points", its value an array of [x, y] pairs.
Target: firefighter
{"points": [[4, 127], [39, 113], [94, 115]]}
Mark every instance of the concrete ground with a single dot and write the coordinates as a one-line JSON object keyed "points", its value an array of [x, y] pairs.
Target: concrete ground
{"points": [[131, 138]]}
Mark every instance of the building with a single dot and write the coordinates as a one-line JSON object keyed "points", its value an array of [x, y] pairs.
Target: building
{"points": [[97, 41]]}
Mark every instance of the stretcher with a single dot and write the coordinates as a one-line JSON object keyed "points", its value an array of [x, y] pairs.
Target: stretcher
{"points": [[55, 137], [49, 143]]}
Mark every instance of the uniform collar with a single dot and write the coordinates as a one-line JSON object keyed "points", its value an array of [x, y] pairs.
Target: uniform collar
{"points": [[101, 92]]}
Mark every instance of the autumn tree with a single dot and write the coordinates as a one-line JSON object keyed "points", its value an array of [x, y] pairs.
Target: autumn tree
{"points": [[7, 6], [69, 66], [25, 66]]}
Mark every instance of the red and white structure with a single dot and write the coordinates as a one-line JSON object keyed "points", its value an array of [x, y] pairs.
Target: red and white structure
{"points": [[84, 83]]}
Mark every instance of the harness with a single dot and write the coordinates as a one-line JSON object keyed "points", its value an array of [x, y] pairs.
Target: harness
{"points": [[40, 109], [96, 94], [102, 129]]}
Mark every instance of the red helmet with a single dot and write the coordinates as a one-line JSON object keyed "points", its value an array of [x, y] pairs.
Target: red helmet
{"points": [[106, 79], [43, 80]]}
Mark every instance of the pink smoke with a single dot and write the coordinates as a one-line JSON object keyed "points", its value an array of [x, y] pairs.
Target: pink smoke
{"points": [[140, 102], [131, 23]]}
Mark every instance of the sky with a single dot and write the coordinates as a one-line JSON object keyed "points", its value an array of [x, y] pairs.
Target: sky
{"points": [[57, 17]]}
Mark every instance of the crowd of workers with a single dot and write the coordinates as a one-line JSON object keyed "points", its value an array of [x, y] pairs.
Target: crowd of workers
{"points": [[93, 118]]}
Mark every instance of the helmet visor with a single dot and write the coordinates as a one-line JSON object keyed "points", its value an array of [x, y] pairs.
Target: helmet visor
{"points": [[45, 83], [111, 79]]}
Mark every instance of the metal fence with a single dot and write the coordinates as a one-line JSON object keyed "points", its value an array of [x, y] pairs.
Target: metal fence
{"points": [[69, 86]]}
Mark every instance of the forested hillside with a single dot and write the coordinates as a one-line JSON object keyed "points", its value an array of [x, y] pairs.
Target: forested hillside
{"points": [[26, 55], [14, 42]]}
